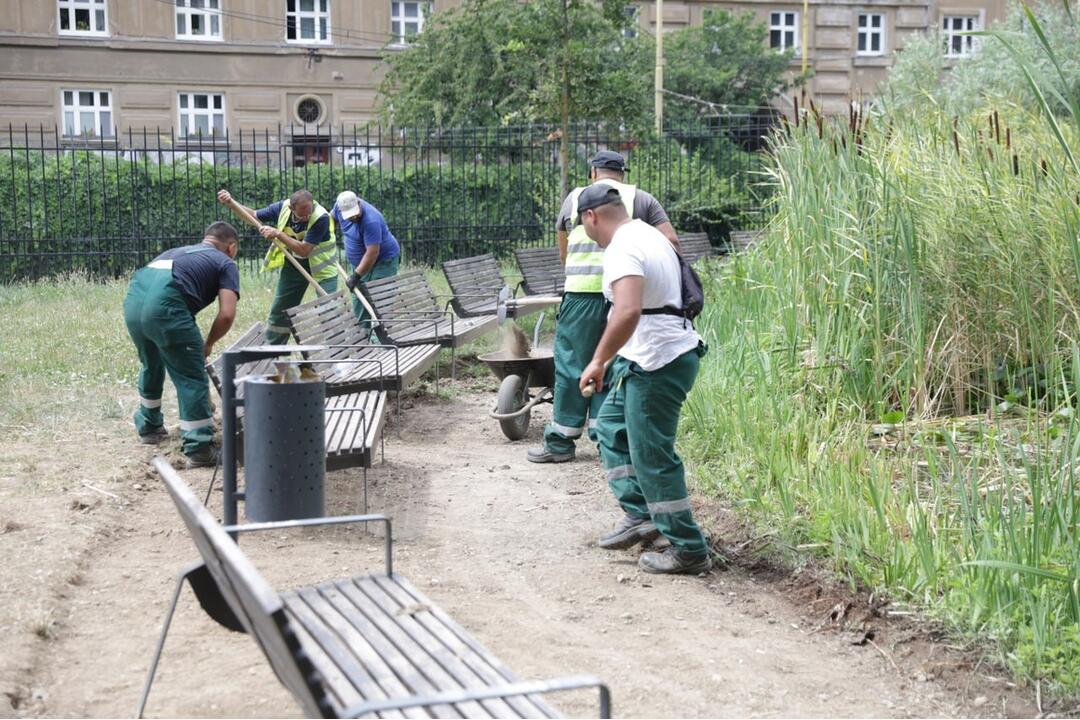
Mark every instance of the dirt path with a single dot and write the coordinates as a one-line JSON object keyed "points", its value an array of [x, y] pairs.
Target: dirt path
{"points": [[508, 549]]}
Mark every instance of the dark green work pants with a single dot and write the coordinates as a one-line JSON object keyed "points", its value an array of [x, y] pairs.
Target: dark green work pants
{"points": [[168, 340], [636, 429]]}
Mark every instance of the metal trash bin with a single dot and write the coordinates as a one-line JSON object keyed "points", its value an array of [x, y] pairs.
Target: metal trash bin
{"points": [[284, 449]]}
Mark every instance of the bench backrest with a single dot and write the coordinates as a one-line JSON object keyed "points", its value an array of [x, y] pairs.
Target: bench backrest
{"points": [[475, 283], [541, 270], [740, 240], [402, 303], [254, 335], [327, 320], [695, 246], [251, 599]]}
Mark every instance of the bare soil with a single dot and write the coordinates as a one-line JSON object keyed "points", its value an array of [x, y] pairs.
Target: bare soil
{"points": [[91, 546]]}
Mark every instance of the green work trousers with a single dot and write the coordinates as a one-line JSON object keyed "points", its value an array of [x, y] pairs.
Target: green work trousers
{"points": [[291, 287], [381, 269], [636, 427], [578, 328], [168, 340]]}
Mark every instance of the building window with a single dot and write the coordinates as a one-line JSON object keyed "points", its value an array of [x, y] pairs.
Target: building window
{"points": [[407, 19], [88, 113], [198, 19], [307, 21], [202, 114], [871, 34], [783, 30], [632, 13], [957, 44], [83, 17]]}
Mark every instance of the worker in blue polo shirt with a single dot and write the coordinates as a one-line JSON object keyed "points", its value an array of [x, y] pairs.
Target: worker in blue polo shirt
{"points": [[160, 308], [371, 249]]}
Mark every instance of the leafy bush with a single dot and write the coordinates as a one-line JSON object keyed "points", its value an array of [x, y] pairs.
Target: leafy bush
{"points": [[447, 197]]}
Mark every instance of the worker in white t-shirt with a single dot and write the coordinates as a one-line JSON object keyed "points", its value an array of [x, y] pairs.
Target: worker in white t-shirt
{"points": [[656, 353]]}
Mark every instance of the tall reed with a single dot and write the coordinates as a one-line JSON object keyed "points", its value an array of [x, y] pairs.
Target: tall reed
{"points": [[893, 370]]}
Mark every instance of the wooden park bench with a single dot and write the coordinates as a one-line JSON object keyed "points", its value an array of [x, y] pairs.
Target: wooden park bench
{"points": [[475, 284], [741, 240], [696, 246], [371, 645], [350, 361], [354, 420], [541, 270], [409, 314]]}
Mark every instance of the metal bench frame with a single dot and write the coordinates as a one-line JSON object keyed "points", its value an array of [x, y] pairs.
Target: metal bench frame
{"points": [[233, 593]]}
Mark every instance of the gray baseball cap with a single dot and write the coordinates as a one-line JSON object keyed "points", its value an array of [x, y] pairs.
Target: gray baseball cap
{"points": [[596, 196]]}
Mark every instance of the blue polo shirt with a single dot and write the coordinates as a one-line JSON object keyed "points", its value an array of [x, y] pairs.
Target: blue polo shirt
{"points": [[319, 232], [369, 229], [199, 271]]}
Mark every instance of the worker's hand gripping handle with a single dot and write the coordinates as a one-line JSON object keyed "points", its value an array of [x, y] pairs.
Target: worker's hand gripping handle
{"points": [[589, 390]]}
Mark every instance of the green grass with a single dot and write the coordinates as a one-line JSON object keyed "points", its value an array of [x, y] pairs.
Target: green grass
{"points": [[66, 356], [893, 370]]}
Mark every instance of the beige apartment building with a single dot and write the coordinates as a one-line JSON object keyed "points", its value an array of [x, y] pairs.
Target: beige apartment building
{"points": [[207, 67]]}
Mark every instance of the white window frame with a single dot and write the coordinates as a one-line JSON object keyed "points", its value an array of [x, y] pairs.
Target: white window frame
{"points": [[210, 11], [93, 7], [185, 104], [868, 31], [777, 24], [298, 15], [76, 108], [423, 9], [633, 17], [968, 45]]}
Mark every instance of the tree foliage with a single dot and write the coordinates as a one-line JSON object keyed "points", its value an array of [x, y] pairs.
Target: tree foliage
{"points": [[725, 61], [493, 62]]}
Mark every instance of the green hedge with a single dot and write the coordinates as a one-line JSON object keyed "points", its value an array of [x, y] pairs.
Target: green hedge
{"points": [[105, 214]]}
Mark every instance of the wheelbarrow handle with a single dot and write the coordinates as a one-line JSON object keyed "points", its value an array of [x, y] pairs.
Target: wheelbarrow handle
{"points": [[545, 395]]}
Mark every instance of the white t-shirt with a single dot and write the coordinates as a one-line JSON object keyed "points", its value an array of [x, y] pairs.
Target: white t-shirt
{"points": [[640, 249]]}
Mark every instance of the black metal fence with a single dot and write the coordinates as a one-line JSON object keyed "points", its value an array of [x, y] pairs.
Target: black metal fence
{"points": [[107, 205]]}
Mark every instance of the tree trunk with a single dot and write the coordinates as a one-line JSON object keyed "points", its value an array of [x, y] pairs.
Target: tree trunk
{"points": [[564, 110]]}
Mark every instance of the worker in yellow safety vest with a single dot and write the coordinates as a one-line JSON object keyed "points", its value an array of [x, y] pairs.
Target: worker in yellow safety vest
{"points": [[306, 229], [583, 312]]}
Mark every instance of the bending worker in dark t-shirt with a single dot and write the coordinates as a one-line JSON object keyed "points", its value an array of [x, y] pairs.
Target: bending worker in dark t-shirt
{"points": [[162, 301], [306, 230]]}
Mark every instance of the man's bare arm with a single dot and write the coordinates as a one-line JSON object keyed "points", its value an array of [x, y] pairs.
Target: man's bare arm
{"points": [[226, 314], [625, 313]]}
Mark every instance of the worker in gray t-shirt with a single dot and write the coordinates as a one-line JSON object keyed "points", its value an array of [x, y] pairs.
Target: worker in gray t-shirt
{"points": [[581, 317]]}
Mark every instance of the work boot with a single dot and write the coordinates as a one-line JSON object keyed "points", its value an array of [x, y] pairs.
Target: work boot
{"points": [[155, 436], [674, 561], [203, 457], [630, 531], [543, 455]]}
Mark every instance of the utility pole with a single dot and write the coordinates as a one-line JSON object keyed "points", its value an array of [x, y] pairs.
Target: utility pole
{"points": [[659, 86], [564, 105]]}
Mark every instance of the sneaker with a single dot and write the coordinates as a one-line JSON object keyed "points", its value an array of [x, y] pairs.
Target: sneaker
{"points": [[630, 531], [203, 457], [674, 561], [543, 455], [155, 436]]}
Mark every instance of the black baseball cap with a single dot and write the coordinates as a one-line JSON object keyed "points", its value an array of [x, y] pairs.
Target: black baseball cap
{"points": [[596, 196], [609, 160]]}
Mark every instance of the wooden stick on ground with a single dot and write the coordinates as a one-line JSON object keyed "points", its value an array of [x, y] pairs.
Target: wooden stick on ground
{"points": [[253, 222]]}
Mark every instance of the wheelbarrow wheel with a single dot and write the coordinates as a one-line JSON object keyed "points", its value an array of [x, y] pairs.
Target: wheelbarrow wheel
{"points": [[513, 394]]}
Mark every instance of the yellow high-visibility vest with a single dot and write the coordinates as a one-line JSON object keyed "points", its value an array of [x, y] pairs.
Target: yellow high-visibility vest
{"points": [[322, 260], [584, 258]]}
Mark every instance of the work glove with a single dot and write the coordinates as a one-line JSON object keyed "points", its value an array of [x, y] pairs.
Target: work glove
{"points": [[352, 282]]}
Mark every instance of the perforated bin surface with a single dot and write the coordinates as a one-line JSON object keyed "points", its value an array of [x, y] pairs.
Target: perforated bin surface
{"points": [[284, 450]]}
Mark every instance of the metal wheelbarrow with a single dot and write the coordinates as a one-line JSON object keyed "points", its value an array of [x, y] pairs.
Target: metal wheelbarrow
{"points": [[519, 376]]}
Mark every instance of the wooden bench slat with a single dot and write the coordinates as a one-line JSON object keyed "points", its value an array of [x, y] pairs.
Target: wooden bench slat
{"points": [[445, 669], [421, 674], [481, 661]]}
